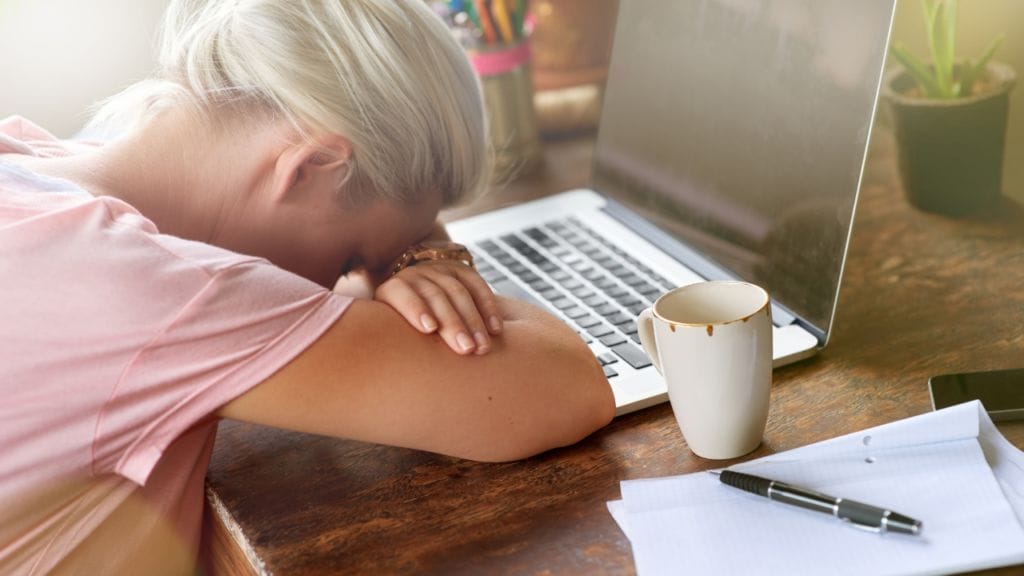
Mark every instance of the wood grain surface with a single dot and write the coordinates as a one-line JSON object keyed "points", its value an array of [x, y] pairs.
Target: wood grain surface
{"points": [[922, 295]]}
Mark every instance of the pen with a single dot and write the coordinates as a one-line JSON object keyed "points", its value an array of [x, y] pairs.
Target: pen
{"points": [[485, 21], [858, 514], [502, 20]]}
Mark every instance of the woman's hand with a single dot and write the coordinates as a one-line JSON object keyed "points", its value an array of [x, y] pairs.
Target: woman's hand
{"points": [[449, 298]]}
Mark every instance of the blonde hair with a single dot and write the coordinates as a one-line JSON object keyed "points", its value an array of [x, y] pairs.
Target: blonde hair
{"points": [[386, 74]]}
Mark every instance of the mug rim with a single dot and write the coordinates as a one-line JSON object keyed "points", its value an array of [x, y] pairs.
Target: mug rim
{"points": [[764, 293]]}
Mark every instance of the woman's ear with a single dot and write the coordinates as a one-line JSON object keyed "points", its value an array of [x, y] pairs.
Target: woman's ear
{"points": [[305, 167]]}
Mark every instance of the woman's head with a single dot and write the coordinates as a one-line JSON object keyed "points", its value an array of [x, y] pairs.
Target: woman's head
{"points": [[384, 74]]}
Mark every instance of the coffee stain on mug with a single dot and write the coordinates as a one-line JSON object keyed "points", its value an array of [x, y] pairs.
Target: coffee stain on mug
{"points": [[672, 327], [711, 330]]}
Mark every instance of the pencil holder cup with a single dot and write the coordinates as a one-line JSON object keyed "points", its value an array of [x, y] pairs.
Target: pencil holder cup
{"points": [[507, 87]]}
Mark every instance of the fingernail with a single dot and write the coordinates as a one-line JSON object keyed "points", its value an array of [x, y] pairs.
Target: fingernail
{"points": [[428, 323], [495, 323], [465, 342], [482, 342]]}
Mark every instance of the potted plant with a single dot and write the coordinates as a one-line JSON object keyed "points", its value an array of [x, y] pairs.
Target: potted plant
{"points": [[950, 119]]}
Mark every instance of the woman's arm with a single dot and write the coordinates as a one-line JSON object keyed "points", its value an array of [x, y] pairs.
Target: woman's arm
{"points": [[373, 377]]}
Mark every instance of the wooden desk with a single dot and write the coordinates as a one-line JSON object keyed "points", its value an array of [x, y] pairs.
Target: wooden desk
{"points": [[922, 295]]}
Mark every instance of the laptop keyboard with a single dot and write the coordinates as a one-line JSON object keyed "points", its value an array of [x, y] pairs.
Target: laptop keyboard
{"points": [[595, 286]]}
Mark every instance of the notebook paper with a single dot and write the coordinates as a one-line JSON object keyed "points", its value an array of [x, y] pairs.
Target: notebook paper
{"points": [[931, 467]]}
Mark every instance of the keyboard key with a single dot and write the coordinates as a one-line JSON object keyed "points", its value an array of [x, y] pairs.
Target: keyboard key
{"points": [[560, 275], [599, 330], [636, 309], [619, 318], [550, 293], [562, 303], [617, 268], [612, 339], [491, 276], [630, 279], [512, 240], [628, 327], [570, 259], [606, 358], [535, 233], [609, 372], [587, 321], [571, 284], [539, 260], [490, 246], [606, 309], [576, 312], [627, 300], [633, 355], [594, 300], [617, 291], [663, 281], [539, 285], [581, 291], [648, 290], [638, 281]]}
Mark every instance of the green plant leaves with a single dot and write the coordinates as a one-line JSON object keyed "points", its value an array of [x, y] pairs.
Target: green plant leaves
{"points": [[942, 79], [922, 74]]}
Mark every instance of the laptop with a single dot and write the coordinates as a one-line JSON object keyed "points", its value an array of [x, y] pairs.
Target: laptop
{"points": [[731, 144]]}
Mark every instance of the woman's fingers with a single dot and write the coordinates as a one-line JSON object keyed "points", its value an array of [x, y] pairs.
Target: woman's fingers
{"points": [[483, 296], [449, 298], [398, 294], [456, 312]]}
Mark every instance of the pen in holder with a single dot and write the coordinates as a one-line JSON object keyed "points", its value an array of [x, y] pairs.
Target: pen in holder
{"points": [[507, 87]]}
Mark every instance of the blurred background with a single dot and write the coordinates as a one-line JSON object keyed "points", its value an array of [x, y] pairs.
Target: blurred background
{"points": [[57, 57]]}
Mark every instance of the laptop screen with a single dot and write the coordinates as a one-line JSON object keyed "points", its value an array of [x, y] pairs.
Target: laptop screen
{"points": [[740, 127]]}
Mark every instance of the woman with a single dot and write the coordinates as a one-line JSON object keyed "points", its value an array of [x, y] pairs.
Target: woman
{"points": [[180, 274]]}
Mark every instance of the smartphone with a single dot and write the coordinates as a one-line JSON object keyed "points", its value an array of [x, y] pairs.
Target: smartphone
{"points": [[1000, 391]]}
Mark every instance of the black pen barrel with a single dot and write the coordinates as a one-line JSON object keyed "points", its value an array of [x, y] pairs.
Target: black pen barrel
{"points": [[856, 513], [746, 482], [804, 498]]}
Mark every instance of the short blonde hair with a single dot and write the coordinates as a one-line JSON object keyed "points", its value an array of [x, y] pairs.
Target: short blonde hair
{"points": [[386, 74]]}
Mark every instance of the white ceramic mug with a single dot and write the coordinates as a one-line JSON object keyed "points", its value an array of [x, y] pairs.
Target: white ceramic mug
{"points": [[712, 342]]}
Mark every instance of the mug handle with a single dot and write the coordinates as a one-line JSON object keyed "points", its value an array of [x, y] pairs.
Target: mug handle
{"points": [[645, 327]]}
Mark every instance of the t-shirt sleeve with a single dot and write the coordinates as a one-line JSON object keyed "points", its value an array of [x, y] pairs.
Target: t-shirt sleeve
{"points": [[247, 322]]}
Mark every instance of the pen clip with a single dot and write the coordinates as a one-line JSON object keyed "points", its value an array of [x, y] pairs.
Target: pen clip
{"points": [[864, 527]]}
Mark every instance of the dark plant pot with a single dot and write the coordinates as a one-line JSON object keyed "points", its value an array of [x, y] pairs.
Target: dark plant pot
{"points": [[951, 151]]}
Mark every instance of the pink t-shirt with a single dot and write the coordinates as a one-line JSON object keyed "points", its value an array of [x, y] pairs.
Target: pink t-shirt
{"points": [[117, 345]]}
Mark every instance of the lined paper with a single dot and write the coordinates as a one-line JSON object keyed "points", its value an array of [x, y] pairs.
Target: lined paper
{"points": [[940, 468]]}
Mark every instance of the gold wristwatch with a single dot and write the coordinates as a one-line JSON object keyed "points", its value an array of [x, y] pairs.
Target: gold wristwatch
{"points": [[431, 250]]}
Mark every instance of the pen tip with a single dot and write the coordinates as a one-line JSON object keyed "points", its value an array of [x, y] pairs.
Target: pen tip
{"points": [[715, 472]]}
